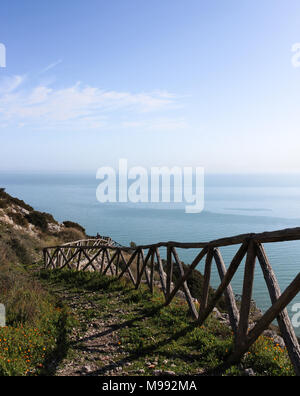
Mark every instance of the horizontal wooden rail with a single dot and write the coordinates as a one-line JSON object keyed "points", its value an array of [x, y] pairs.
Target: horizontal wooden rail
{"points": [[143, 264], [289, 234]]}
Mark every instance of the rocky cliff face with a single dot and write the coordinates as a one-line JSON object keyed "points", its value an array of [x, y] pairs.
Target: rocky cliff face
{"points": [[22, 217]]}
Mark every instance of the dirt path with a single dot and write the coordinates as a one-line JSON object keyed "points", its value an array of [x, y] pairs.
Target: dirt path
{"points": [[120, 331], [95, 349]]}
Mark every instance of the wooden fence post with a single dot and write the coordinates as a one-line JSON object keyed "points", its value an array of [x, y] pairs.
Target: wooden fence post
{"points": [[169, 270], [286, 297], [284, 323], [181, 281], [247, 294], [152, 271], [186, 290], [161, 272], [228, 293], [225, 282], [206, 282]]}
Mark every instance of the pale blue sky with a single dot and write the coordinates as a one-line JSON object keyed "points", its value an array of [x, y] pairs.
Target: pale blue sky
{"points": [[186, 83]]}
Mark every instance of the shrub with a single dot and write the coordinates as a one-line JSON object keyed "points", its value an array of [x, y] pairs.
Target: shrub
{"points": [[3, 194], [18, 219], [70, 234], [20, 250], [49, 218], [38, 219], [21, 295], [19, 202], [71, 224], [3, 203], [17, 247], [13, 200]]}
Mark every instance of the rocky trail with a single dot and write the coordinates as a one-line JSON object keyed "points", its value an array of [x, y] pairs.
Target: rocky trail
{"points": [[95, 349], [120, 331]]}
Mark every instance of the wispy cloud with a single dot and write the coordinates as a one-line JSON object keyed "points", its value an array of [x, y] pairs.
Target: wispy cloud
{"points": [[83, 107], [51, 66], [10, 84]]}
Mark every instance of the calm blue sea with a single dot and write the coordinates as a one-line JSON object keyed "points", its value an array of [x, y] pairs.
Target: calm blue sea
{"points": [[234, 204]]}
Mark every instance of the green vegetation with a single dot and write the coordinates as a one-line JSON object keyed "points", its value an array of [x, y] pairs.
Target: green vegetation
{"points": [[71, 224], [24, 213], [153, 337], [70, 234], [37, 323], [17, 248], [38, 219], [28, 345], [18, 218], [7, 200]]}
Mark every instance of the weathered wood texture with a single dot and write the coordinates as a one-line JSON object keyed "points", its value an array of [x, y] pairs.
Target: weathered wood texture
{"points": [[284, 323], [233, 312], [143, 264], [247, 294]]}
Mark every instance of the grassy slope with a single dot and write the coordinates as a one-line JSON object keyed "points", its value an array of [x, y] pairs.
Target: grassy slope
{"points": [[37, 322], [149, 338]]}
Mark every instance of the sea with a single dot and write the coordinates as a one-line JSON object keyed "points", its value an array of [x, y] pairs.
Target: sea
{"points": [[233, 204]]}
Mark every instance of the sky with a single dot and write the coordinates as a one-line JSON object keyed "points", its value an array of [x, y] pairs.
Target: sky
{"points": [[160, 83]]}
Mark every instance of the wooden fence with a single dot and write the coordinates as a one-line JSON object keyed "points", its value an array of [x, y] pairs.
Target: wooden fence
{"points": [[103, 256]]}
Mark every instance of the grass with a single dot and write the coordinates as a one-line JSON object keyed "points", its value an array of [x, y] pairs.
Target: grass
{"points": [[154, 337], [37, 323], [28, 349], [36, 336], [37, 326]]}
